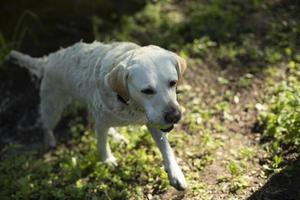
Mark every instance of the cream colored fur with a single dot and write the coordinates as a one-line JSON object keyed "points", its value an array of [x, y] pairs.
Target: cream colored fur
{"points": [[99, 75]]}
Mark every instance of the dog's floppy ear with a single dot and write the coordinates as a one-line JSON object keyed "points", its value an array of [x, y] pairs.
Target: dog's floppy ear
{"points": [[117, 81], [180, 66]]}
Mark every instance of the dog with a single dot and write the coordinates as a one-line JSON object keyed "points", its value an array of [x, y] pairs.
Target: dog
{"points": [[121, 83]]}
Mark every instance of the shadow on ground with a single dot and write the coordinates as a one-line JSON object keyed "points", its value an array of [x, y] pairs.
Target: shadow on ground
{"points": [[284, 185]]}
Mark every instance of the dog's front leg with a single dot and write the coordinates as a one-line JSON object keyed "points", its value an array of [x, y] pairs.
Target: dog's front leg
{"points": [[104, 151], [175, 174]]}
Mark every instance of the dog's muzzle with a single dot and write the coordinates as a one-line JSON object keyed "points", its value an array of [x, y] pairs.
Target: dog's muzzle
{"points": [[172, 116]]}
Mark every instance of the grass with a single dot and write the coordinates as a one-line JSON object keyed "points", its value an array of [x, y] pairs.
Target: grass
{"points": [[76, 172], [4, 49], [240, 75]]}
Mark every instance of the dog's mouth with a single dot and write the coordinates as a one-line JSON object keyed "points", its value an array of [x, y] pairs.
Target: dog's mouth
{"points": [[167, 129]]}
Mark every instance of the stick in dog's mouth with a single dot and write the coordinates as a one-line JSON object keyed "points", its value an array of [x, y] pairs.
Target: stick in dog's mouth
{"points": [[163, 128], [167, 129]]}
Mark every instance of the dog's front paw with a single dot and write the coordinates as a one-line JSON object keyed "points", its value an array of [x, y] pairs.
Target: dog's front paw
{"points": [[176, 178], [111, 161], [49, 141]]}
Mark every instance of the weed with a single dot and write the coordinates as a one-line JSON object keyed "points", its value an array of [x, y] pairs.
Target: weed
{"points": [[4, 49], [15, 42]]}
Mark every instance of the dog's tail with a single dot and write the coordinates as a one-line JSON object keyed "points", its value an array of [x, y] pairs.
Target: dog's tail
{"points": [[34, 65]]}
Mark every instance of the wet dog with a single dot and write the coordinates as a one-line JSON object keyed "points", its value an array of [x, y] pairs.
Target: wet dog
{"points": [[121, 84]]}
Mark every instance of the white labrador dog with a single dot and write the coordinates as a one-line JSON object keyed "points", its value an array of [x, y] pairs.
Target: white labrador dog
{"points": [[121, 83]]}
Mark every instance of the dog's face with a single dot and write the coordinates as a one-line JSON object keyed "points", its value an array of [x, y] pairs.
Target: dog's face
{"points": [[150, 80]]}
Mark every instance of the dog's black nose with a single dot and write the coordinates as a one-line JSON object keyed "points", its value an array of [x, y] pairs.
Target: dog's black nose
{"points": [[173, 116]]}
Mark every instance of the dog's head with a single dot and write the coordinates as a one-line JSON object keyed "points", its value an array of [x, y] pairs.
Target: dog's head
{"points": [[150, 79]]}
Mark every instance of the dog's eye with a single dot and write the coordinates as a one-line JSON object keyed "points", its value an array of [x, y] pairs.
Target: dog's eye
{"points": [[148, 91], [172, 83]]}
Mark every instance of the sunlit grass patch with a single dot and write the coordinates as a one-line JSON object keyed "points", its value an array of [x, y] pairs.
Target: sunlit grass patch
{"points": [[237, 178], [73, 171], [280, 120]]}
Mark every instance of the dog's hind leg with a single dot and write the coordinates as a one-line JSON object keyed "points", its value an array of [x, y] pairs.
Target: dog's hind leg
{"points": [[116, 136], [52, 105]]}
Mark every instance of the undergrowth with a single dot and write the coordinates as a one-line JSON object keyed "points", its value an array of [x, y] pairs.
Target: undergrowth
{"points": [[76, 172]]}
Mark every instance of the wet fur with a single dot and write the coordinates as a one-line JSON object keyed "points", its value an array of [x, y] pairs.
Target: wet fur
{"points": [[92, 74]]}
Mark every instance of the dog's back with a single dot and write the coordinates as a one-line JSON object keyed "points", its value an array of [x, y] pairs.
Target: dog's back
{"points": [[75, 69]]}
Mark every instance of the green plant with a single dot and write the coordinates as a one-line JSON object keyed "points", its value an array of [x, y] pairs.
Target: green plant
{"points": [[74, 171], [281, 121]]}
